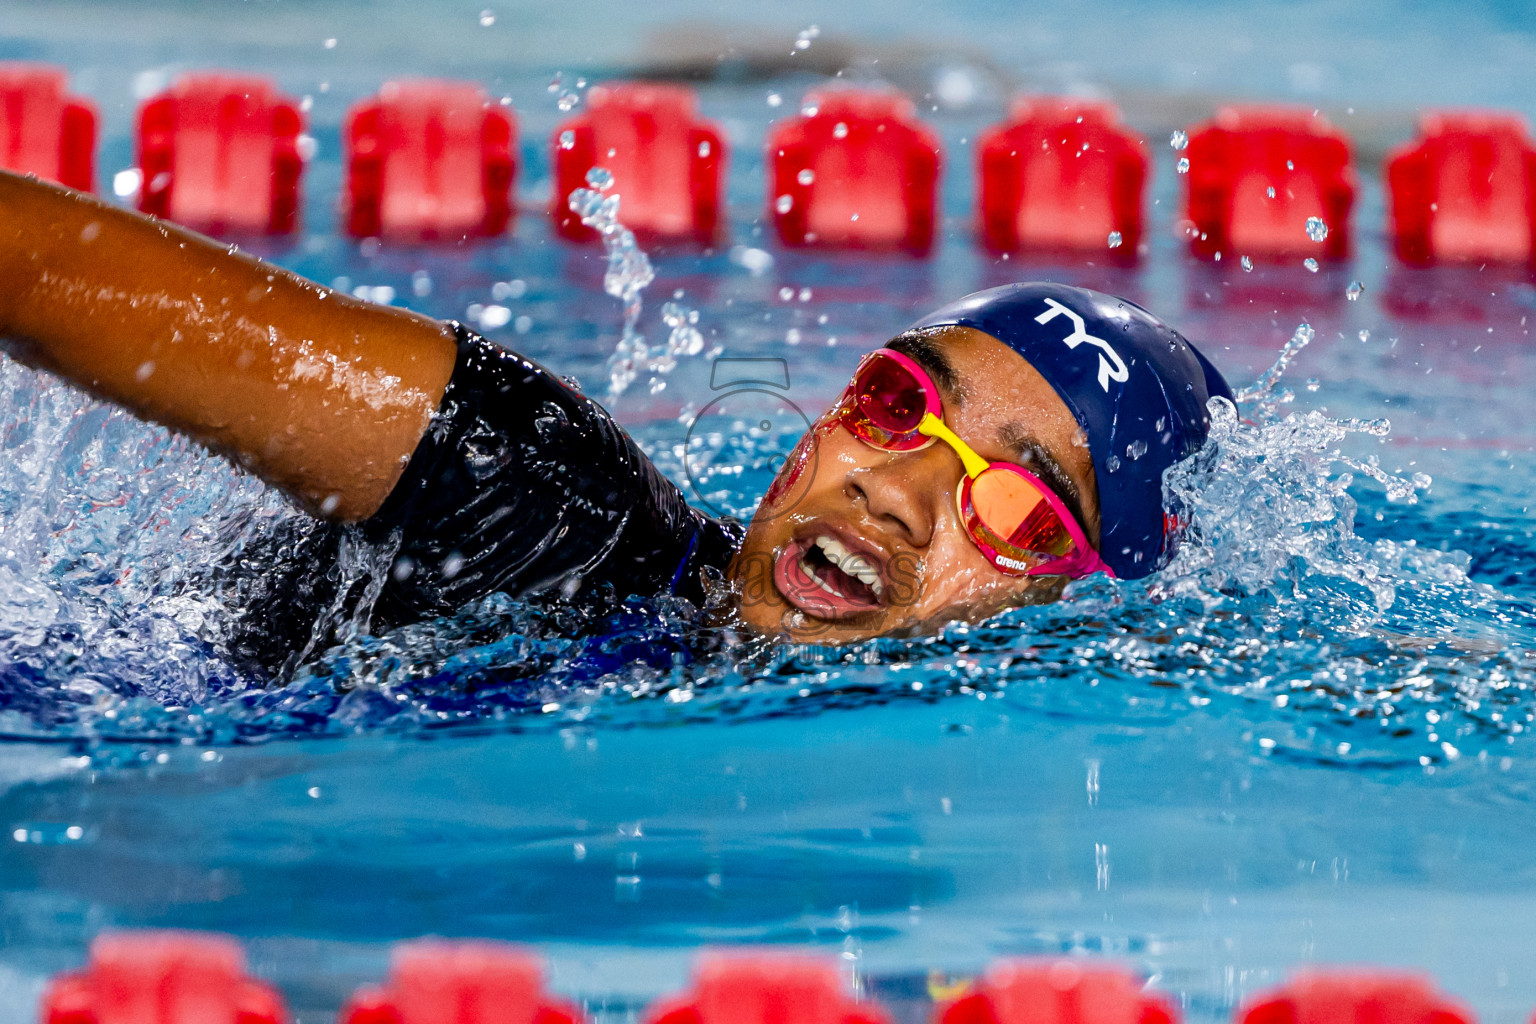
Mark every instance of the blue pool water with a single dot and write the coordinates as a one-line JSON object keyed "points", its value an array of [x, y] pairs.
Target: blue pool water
{"points": [[1305, 742]]}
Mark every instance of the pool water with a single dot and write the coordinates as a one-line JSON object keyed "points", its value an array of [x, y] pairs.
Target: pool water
{"points": [[1303, 742]]}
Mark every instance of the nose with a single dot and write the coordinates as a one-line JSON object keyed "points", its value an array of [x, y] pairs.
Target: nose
{"points": [[905, 490]]}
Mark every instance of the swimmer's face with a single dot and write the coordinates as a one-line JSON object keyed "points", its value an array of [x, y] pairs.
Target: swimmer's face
{"points": [[896, 510]]}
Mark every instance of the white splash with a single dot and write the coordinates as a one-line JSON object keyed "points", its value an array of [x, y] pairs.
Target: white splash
{"points": [[629, 273]]}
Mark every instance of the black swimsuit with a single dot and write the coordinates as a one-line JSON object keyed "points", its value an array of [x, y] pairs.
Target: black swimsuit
{"points": [[521, 485]]}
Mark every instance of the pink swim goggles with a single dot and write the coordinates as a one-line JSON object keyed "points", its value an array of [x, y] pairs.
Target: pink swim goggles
{"points": [[1017, 522]]}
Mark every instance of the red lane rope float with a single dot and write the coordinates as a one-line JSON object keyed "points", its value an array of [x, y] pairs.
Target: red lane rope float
{"points": [[169, 977], [44, 130], [436, 982], [764, 989], [1464, 189], [429, 161], [1058, 992], [162, 978], [667, 162], [220, 153], [1061, 174], [1258, 174], [1360, 996], [434, 160], [855, 170]]}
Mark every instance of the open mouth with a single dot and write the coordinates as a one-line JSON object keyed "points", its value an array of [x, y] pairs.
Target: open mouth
{"points": [[822, 576]]}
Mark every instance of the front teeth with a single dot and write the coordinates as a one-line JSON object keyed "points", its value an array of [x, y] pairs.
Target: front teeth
{"points": [[854, 565]]}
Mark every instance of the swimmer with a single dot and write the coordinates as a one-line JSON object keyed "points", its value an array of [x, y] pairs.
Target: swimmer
{"points": [[998, 448]]}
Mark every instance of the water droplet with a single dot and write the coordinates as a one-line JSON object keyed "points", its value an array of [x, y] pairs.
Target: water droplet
{"points": [[1352, 293], [1364, 335], [1112, 463], [567, 139], [784, 203], [775, 100], [1179, 140], [1316, 229], [487, 18], [1247, 264], [126, 183], [840, 130], [786, 293], [1313, 383], [1310, 264], [600, 178], [754, 261], [704, 148], [1270, 191], [1183, 165], [806, 176], [792, 336], [513, 289], [567, 102], [1114, 239], [330, 44], [493, 317], [1136, 449], [555, 83]]}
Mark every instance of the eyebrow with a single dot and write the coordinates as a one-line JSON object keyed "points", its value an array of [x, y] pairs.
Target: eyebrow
{"points": [[1037, 458], [921, 349]]}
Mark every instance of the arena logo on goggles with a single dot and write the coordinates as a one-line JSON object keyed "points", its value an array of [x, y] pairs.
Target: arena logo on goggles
{"points": [[1111, 366]]}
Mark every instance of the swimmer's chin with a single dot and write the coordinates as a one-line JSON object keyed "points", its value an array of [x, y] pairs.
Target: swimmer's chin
{"points": [[802, 627], [791, 625]]}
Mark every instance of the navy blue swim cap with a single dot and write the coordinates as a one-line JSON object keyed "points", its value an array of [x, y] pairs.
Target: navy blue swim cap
{"points": [[1136, 387]]}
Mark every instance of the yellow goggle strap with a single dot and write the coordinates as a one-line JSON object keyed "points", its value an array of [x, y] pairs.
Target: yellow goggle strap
{"points": [[932, 426]]}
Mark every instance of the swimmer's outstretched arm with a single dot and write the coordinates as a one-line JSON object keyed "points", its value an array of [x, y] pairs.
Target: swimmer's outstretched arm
{"points": [[318, 393]]}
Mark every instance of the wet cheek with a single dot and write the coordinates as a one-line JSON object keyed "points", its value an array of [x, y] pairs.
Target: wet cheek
{"points": [[817, 465], [968, 584], [953, 572], [800, 459]]}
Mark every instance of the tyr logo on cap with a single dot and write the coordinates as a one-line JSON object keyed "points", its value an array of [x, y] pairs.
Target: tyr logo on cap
{"points": [[1111, 366]]}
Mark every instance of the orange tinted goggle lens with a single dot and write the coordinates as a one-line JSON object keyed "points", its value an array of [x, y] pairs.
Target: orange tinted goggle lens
{"points": [[1014, 517], [884, 404]]}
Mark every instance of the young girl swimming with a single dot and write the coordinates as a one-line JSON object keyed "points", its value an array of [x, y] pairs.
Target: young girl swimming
{"points": [[999, 447]]}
